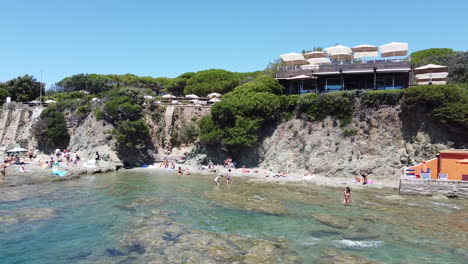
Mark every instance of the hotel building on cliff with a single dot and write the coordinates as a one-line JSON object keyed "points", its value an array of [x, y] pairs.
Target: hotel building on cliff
{"points": [[340, 68]]}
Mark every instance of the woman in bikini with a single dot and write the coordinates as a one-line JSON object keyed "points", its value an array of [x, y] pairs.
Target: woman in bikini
{"points": [[347, 196]]}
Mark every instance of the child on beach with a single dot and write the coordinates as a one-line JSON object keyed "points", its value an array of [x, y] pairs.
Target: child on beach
{"points": [[217, 179], [228, 177], [179, 171], [347, 196]]}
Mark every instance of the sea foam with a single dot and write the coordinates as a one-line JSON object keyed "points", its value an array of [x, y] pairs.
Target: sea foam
{"points": [[347, 243]]}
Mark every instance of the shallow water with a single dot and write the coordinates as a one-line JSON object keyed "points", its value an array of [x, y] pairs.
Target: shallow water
{"points": [[144, 216]]}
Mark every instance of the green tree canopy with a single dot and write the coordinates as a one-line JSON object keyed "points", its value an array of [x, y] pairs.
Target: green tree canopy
{"points": [[428, 56], [205, 82], [24, 88]]}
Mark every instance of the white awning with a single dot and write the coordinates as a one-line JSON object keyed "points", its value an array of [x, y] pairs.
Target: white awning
{"points": [[434, 75], [394, 49], [301, 77], [319, 61], [394, 70], [293, 58]]}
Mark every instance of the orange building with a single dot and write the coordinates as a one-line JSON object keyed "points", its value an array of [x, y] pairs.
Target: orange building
{"points": [[448, 165]]}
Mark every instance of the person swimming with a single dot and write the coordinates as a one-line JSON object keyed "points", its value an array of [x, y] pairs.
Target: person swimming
{"points": [[347, 196]]}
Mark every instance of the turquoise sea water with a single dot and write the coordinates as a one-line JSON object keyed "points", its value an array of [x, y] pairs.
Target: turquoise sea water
{"points": [[91, 219]]}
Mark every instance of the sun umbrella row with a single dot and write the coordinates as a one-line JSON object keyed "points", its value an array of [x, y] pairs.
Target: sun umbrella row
{"points": [[340, 52]]}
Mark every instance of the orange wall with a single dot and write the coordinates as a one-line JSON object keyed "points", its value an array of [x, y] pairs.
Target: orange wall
{"points": [[449, 165], [430, 164]]}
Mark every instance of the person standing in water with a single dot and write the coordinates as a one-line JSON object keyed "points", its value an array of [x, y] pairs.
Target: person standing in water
{"points": [[347, 196], [217, 179], [228, 177]]}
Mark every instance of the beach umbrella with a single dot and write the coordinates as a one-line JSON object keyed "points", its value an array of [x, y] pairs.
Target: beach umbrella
{"points": [[339, 52], [214, 100], [319, 61], [394, 49], [169, 96], [365, 51], [214, 95], [338, 49], [192, 96], [341, 56], [434, 76], [315, 54], [430, 68], [293, 58], [431, 73], [16, 149], [149, 97]]}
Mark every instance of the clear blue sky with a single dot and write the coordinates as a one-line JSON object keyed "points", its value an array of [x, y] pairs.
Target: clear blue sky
{"points": [[167, 38]]}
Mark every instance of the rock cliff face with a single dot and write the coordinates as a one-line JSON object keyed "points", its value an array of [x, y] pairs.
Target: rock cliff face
{"points": [[93, 135], [379, 141]]}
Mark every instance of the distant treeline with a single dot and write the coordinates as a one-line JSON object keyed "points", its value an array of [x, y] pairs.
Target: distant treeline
{"points": [[200, 83]]}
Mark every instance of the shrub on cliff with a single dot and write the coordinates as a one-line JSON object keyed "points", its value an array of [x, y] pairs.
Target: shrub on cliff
{"points": [[124, 109], [339, 105], [445, 103], [51, 130], [381, 97]]}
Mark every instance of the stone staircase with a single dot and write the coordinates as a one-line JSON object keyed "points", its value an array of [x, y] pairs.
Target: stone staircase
{"points": [[168, 120]]}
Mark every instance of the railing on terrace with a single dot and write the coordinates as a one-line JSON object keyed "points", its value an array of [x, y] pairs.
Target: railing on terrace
{"points": [[340, 62]]}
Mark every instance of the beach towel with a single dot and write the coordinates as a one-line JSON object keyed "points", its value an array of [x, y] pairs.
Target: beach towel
{"points": [[59, 173]]}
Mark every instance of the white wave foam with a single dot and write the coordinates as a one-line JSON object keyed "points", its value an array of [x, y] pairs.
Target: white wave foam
{"points": [[358, 244], [452, 206]]}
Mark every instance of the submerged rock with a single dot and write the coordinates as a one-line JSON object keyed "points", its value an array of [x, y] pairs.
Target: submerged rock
{"points": [[246, 201], [27, 214], [157, 239], [142, 201], [333, 221], [335, 256]]}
